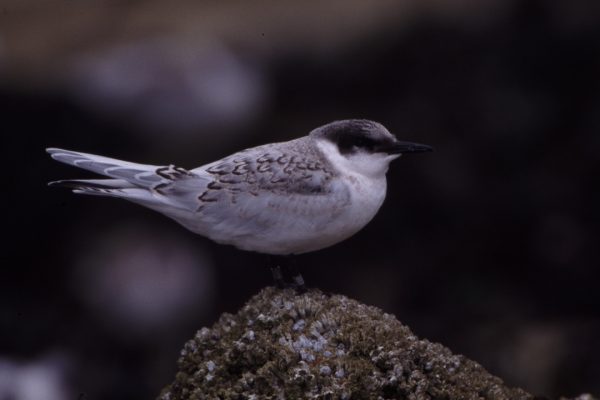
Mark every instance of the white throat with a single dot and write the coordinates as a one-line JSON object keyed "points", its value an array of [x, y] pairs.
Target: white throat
{"points": [[369, 165]]}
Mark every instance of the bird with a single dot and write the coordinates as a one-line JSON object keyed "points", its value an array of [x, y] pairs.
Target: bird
{"points": [[280, 199]]}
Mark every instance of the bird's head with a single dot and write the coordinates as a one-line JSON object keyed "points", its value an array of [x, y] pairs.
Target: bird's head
{"points": [[362, 146]]}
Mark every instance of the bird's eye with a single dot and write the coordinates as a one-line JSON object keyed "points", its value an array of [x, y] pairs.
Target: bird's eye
{"points": [[364, 143], [352, 144]]}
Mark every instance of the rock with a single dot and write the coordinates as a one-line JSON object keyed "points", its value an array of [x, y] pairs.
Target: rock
{"points": [[281, 345]]}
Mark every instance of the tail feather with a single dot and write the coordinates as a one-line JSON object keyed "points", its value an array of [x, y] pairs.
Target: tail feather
{"points": [[165, 189], [92, 183], [103, 187], [138, 174]]}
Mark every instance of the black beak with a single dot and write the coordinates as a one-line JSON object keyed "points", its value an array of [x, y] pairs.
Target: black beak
{"points": [[399, 147]]}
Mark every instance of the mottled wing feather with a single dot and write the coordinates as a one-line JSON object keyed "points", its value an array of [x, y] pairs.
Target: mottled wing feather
{"points": [[256, 189]]}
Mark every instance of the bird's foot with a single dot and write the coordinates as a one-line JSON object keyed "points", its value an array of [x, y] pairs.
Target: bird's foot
{"points": [[298, 283], [278, 277], [282, 267]]}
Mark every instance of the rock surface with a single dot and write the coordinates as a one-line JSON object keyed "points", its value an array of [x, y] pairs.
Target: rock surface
{"points": [[281, 345]]}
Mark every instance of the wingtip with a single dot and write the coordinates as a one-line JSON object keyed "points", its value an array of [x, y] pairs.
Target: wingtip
{"points": [[62, 183], [54, 152]]}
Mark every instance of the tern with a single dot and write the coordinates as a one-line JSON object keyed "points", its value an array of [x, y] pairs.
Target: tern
{"points": [[279, 199]]}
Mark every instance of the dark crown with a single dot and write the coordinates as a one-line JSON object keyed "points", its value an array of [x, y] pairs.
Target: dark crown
{"points": [[354, 135]]}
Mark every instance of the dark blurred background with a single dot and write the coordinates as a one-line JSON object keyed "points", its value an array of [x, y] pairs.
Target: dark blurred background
{"points": [[488, 245]]}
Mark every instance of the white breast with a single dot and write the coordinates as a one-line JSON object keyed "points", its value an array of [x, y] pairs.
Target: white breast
{"points": [[367, 185], [367, 197]]}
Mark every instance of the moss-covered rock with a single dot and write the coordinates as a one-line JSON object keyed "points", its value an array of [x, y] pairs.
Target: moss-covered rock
{"points": [[287, 346]]}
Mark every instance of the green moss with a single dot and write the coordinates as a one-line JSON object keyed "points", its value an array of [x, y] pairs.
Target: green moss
{"points": [[282, 345]]}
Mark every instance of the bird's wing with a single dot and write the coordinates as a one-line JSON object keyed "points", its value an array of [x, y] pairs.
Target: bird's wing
{"points": [[258, 188], [150, 185], [141, 175]]}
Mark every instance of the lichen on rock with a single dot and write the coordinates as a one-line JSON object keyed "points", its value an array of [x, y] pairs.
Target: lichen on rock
{"points": [[281, 345]]}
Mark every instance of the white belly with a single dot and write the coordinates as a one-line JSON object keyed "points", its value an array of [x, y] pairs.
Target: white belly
{"points": [[367, 197], [305, 233], [293, 224]]}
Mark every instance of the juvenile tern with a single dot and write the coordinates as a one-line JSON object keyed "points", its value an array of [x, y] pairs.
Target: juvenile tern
{"points": [[280, 199]]}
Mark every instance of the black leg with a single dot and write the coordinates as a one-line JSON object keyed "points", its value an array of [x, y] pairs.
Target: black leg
{"points": [[278, 276], [297, 279], [273, 264], [285, 273]]}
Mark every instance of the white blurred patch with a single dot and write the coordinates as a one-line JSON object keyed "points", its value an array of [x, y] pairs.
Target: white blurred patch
{"points": [[169, 86], [43, 379], [142, 281]]}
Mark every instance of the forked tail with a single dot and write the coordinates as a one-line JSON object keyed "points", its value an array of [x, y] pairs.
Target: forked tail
{"points": [[150, 185]]}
